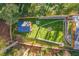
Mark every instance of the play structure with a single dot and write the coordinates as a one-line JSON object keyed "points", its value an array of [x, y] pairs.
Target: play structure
{"points": [[72, 32]]}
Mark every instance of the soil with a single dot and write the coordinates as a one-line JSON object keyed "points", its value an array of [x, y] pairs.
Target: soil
{"points": [[4, 30]]}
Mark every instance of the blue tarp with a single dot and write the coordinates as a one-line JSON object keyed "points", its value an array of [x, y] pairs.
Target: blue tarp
{"points": [[23, 28]]}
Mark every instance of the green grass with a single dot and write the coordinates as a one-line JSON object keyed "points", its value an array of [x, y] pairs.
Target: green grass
{"points": [[56, 34]]}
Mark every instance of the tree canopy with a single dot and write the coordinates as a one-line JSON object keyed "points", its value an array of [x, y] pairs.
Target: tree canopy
{"points": [[45, 9]]}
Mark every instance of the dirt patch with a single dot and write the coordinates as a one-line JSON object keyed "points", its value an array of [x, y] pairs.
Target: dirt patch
{"points": [[4, 30]]}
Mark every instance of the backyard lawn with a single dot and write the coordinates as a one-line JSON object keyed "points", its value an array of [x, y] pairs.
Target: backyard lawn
{"points": [[46, 29]]}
